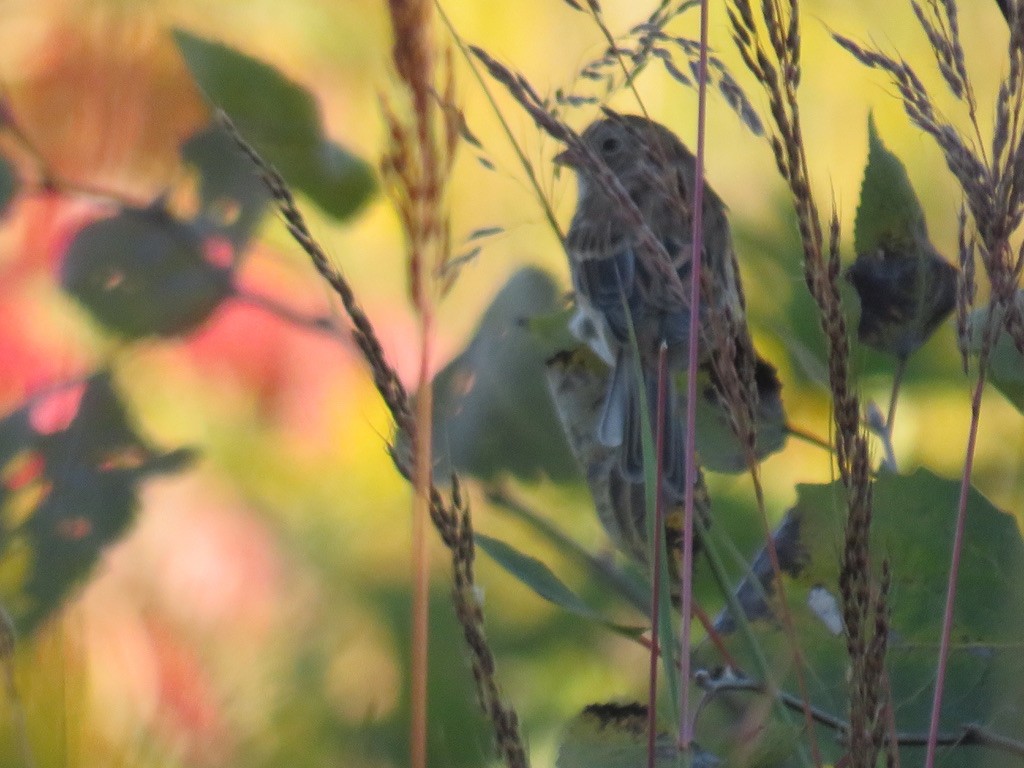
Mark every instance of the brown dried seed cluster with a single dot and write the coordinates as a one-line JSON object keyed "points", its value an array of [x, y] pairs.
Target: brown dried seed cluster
{"points": [[449, 516]]}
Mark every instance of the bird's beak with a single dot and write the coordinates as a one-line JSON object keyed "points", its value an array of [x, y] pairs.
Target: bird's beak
{"points": [[567, 158]]}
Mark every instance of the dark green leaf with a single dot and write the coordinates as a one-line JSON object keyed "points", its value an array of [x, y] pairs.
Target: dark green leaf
{"points": [[906, 288], [281, 119], [144, 273], [8, 184], [538, 577], [67, 494], [913, 523], [717, 446], [492, 413], [904, 296], [889, 214], [333, 178], [233, 198], [1006, 363], [599, 568]]}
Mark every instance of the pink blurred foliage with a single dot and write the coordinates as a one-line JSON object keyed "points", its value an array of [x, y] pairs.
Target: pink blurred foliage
{"points": [[39, 231], [34, 353], [194, 595], [291, 371], [55, 412], [190, 714]]}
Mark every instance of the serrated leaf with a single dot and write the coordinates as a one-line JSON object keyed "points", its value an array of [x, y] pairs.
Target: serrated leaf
{"points": [[8, 184], [1006, 364], [906, 288], [233, 198], [281, 119], [889, 214], [65, 495], [492, 413], [614, 735], [144, 273], [913, 525], [542, 580]]}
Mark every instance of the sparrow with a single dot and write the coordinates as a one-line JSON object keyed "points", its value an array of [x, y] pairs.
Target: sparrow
{"points": [[620, 287]]}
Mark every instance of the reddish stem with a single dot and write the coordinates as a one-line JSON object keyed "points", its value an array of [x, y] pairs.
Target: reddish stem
{"points": [[686, 588], [714, 636], [954, 569], [420, 559], [659, 531]]}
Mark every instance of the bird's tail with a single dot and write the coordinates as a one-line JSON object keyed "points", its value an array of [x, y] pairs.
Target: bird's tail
{"points": [[621, 423]]}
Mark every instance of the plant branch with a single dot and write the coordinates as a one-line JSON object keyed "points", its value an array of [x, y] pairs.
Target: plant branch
{"points": [[322, 324], [970, 734]]}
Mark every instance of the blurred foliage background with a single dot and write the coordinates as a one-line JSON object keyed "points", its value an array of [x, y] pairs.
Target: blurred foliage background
{"points": [[256, 613]]}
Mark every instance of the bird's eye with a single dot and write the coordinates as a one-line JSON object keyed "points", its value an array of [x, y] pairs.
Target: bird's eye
{"points": [[609, 145]]}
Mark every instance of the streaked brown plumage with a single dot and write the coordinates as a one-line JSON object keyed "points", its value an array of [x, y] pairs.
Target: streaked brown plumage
{"points": [[617, 280]]}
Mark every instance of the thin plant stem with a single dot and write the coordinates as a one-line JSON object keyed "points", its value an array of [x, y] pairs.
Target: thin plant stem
{"points": [[954, 566], [709, 549], [420, 555], [531, 175], [808, 437], [690, 474], [659, 527], [323, 324], [450, 516], [630, 80], [714, 636], [897, 380]]}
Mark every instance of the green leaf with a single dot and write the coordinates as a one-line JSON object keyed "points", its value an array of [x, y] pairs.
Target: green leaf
{"points": [[143, 273], [492, 413], [281, 119], [906, 288], [552, 330], [889, 214], [233, 198], [1006, 363], [8, 184], [615, 736], [717, 446], [538, 577], [636, 591], [66, 495], [913, 524]]}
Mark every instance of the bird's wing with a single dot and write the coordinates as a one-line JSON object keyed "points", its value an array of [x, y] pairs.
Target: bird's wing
{"points": [[603, 273]]}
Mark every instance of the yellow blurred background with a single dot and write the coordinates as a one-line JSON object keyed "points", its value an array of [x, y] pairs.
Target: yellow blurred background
{"points": [[256, 614]]}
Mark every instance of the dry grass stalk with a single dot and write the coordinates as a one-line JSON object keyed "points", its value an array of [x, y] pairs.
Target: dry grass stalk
{"points": [[966, 288], [449, 516], [776, 65], [771, 50], [865, 618], [416, 166], [994, 193]]}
